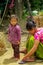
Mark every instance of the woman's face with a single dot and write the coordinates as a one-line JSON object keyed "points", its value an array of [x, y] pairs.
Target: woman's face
{"points": [[32, 31], [13, 21]]}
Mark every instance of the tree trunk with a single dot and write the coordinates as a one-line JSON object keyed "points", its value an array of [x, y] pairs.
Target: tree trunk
{"points": [[29, 8], [16, 7], [20, 9]]}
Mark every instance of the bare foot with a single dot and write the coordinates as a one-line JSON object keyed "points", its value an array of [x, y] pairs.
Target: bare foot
{"points": [[16, 59]]}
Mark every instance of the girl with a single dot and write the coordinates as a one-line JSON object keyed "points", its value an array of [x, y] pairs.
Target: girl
{"points": [[34, 44], [14, 35]]}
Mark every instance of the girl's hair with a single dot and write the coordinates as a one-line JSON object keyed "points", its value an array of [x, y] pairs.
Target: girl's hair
{"points": [[14, 17], [30, 25]]}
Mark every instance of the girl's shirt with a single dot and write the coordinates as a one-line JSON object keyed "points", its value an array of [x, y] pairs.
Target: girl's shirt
{"points": [[14, 34], [39, 35]]}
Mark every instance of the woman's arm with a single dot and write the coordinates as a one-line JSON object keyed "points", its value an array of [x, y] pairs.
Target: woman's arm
{"points": [[31, 52]]}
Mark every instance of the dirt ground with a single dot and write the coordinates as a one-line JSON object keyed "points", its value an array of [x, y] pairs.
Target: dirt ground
{"points": [[5, 59]]}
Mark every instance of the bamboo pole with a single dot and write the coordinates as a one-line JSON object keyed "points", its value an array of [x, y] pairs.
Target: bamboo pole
{"points": [[4, 12]]}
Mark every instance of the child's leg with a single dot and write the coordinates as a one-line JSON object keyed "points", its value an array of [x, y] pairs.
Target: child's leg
{"points": [[16, 52], [13, 46]]}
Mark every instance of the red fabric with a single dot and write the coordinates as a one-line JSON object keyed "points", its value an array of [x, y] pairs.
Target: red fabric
{"points": [[12, 4]]}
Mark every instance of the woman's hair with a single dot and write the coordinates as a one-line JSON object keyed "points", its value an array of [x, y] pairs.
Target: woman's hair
{"points": [[30, 25]]}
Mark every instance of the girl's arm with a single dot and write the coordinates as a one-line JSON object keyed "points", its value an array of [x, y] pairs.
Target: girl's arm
{"points": [[31, 52], [18, 34]]}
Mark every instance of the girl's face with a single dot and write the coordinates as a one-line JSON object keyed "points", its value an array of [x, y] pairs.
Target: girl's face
{"points": [[13, 21], [32, 31]]}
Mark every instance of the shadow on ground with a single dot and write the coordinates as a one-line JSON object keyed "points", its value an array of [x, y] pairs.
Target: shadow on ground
{"points": [[8, 61]]}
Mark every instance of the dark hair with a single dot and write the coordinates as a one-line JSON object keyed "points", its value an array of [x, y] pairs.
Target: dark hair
{"points": [[14, 17], [30, 25]]}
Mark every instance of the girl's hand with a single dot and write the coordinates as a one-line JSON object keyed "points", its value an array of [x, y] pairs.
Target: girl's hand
{"points": [[18, 42]]}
